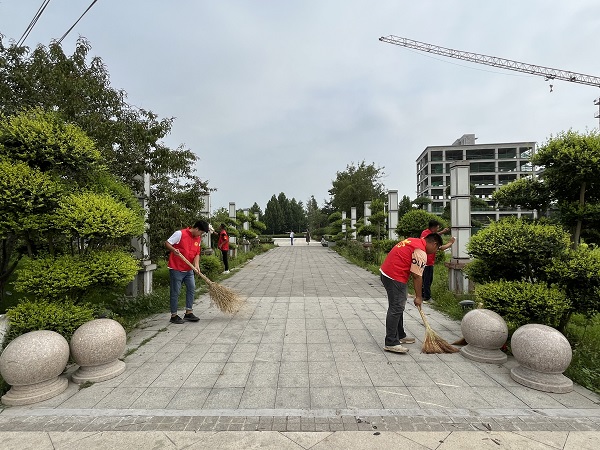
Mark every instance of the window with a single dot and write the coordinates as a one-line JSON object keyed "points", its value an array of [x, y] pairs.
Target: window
{"points": [[525, 152], [505, 179], [437, 181], [437, 168], [481, 153], [437, 194], [525, 166], [483, 167], [480, 180], [507, 166], [437, 155], [437, 207], [507, 153], [454, 155]]}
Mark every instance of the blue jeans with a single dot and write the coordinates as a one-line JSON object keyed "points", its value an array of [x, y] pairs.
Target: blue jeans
{"points": [[177, 278], [394, 321]]}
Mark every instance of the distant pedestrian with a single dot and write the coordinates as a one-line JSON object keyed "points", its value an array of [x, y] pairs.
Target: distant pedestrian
{"points": [[434, 227], [307, 238], [185, 242], [405, 258], [292, 237], [223, 245]]}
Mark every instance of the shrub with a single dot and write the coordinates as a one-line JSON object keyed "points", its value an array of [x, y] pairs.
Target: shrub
{"points": [[70, 276], [578, 274], [63, 318], [211, 266], [520, 302], [415, 221], [513, 249]]}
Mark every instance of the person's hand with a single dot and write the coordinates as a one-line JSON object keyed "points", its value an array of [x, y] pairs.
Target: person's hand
{"points": [[418, 302], [453, 239]]}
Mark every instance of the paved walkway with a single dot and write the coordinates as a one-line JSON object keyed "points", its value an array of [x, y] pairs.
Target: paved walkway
{"points": [[301, 366]]}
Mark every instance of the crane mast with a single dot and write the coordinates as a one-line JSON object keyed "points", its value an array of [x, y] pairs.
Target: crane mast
{"points": [[508, 64]]}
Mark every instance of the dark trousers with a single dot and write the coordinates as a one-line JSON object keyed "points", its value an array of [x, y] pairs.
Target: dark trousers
{"points": [[225, 254], [427, 280], [394, 321]]}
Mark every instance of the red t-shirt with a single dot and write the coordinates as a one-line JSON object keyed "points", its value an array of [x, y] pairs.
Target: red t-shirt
{"points": [[223, 243], [430, 256], [189, 246], [407, 256]]}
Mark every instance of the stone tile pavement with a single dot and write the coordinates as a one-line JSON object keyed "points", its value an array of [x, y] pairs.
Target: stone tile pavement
{"points": [[304, 355]]}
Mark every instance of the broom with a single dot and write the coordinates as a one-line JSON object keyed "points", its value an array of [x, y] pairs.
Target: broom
{"points": [[433, 343], [226, 300]]}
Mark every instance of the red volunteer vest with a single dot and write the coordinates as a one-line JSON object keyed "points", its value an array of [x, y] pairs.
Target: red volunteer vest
{"points": [[223, 243], [406, 254], [189, 246]]}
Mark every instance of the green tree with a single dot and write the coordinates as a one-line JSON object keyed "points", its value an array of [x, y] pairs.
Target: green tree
{"points": [[404, 206], [571, 171], [421, 202], [528, 193], [378, 217], [297, 216], [414, 222], [274, 217], [356, 185], [257, 211]]}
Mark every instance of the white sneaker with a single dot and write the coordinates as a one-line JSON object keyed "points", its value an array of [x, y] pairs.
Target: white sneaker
{"points": [[226, 272], [395, 349], [407, 340]]}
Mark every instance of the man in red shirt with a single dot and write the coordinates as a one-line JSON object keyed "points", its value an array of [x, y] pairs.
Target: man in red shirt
{"points": [[223, 245], [405, 258], [184, 242], [434, 227]]}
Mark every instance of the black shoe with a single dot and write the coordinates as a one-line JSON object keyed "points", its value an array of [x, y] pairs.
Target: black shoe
{"points": [[191, 317], [176, 319]]}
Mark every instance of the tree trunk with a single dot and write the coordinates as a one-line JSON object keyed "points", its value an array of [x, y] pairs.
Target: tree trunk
{"points": [[580, 220]]}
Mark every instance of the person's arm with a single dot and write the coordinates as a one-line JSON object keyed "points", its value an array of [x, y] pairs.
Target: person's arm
{"points": [[174, 239], [448, 245], [418, 285]]}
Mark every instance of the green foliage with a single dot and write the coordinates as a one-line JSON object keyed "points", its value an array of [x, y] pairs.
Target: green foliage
{"points": [[71, 276], [63, 318], [97, 217], [211, 266], [404, 206], [521, 302], [584, 335], [528, 193], [578, 274], [385, 245], [421, 202], [513, 249], [356, 185], [414, 222]]}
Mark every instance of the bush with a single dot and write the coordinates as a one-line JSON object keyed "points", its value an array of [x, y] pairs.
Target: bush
{"points": [[63, 318], [520, 302], [71, 276], [415, 221], [513, 249], [211, 266]]}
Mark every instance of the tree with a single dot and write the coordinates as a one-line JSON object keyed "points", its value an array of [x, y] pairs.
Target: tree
{"points": [[274, 216], [317, 220], [415, 221], [257, 211], [404, 206], [378, 217], [356, 185], [571, 171], [421, 202], [59, 201], [297, 216], [78, 89], [528, 193]]}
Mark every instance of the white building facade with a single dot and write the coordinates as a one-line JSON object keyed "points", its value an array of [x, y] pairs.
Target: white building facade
{"points": [[491, 166]]}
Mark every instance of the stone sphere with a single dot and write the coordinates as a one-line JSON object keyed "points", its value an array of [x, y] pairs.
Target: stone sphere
{"points": [[484, 329], [98, 342], [541, 348], [34, 357]]}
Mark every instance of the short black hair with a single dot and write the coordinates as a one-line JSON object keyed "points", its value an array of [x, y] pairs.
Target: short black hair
{"points": [[202, 225], [435, 238], [433, 223], [223, 226]]}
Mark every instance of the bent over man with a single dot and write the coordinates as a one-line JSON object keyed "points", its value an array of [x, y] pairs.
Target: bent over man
{"points": [[405, 258]]}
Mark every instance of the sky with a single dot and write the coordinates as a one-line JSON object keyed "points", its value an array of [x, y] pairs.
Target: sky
{"points": [[280, 95]]}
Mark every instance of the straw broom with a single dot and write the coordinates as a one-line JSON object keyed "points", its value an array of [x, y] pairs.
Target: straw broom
{"points": [[433, 343], [226, 300]]}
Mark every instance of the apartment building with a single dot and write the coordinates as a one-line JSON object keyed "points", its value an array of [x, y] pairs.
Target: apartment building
{"points": [[491, 166]]}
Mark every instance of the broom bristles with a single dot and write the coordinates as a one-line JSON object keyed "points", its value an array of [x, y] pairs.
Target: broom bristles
{"points": [[433, 343]]}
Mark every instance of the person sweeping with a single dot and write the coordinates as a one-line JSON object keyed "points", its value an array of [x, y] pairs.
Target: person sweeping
{"points": [[405, 258]]}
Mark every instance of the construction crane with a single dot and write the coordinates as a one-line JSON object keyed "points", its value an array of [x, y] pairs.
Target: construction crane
{"points": [[508, 64]]}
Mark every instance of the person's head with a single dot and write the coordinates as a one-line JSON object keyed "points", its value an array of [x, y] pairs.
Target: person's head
{"points": [[433, 242], [223, 226], [434, 226], [199, 227]]}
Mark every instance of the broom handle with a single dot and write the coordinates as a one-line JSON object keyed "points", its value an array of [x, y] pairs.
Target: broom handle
{"points": [[423, 317], [200, 274]]}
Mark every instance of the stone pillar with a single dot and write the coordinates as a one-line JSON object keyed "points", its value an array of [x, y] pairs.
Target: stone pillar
{"points": [[205, 213], [232, 239], [142, 284], [353, 222], [344, 223], [460, 213], [392, 214], [367, 216]]}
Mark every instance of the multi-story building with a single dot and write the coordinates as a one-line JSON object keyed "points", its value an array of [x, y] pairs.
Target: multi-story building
{"points": [[491, 166]]}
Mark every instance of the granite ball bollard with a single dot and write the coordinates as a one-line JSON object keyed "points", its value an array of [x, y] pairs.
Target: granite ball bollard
{"points": [[96, 346], [32, 364], [485, 332], [543, 354]]}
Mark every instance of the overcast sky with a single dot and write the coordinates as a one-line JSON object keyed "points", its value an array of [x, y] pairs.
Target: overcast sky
{"points": [[279, 95]]}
